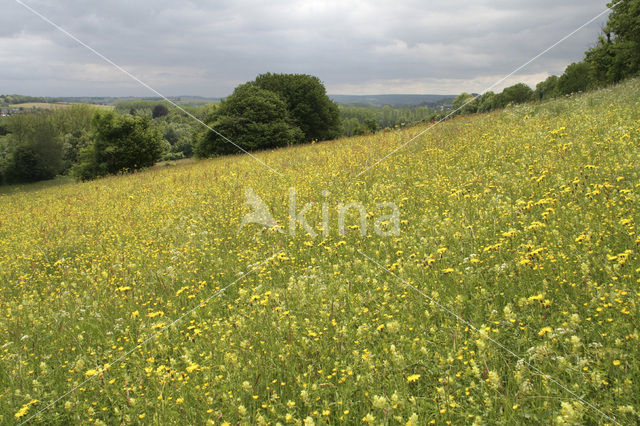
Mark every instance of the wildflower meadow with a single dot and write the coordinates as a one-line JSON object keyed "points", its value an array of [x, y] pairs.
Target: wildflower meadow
{"points": [[509, 293]]}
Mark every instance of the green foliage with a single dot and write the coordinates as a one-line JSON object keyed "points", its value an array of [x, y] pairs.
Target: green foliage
{"points": [[465, 104], [34, 148], [72, 144], [546, 89], [20, 99], [25, 164], [306, 99], [617, 54], [159, 110], [516, 94], [487, 101], [47, 141], [118, 143], [253, 118], [615, 57], [575, 78], [358, 120], [138, 107]]}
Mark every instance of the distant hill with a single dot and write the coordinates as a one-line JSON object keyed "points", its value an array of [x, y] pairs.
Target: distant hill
{"points": [[180, 100], [6, 100], [395, 100]]}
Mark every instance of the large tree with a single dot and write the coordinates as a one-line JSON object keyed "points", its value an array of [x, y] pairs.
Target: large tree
{"points": [[465, 103], [516, 94], [35, 148], [575, 78], [252, 118], [546, 89], [617, 54], [119, 143], [307, 102]]}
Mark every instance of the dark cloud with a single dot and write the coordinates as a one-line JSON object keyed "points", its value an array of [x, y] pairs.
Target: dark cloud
{"points": [[206, 48]]}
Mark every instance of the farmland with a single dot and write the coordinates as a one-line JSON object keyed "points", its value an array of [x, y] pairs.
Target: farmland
{"points": [[45, 105], [509, 295]]}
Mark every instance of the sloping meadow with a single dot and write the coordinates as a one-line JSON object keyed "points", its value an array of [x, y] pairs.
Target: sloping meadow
{"points": [[507, 294]]}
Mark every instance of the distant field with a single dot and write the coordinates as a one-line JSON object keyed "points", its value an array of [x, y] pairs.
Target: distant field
{"points": [[511, 294], [43, 105]]}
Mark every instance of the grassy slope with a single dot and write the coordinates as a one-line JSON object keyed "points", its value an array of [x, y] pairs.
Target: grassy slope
{"points": [[522, 221]]}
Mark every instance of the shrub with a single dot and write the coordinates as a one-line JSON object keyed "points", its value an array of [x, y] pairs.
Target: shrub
{"points": [[118, 143]]}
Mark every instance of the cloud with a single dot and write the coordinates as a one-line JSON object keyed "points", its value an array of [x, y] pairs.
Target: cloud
{"points": [[206, 48]]}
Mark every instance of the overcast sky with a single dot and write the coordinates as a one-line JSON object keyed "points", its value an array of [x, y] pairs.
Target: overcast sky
{"points": [[206, 48]]}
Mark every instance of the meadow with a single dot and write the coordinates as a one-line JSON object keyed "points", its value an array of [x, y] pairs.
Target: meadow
{"points": [[135, 299]]}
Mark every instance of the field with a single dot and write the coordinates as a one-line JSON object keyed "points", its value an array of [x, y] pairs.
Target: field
{"points": [[509, 295], [46, 105]]}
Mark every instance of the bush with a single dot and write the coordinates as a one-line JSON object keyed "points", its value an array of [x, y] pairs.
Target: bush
{"points": [[306, 99], [118, 143], [26, 165], [253, 118]]}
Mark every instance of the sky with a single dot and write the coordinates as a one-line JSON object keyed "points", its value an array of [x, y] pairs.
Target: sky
{"points": [[206, 48]]}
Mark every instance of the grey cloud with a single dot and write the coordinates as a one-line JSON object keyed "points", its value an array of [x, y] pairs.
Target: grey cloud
{"points": [[207, 47]]}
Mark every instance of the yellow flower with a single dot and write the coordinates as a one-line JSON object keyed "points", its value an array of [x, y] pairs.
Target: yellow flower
{"points": [[92, 372], [24, 409], [413, 378], [616, 362], [544, 330], [369, 418], [192, 367]]}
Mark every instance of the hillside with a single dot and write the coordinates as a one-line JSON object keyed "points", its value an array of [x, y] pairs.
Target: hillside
{"points": [[509, 295]]}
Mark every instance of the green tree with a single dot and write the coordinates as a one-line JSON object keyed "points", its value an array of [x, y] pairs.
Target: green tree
{"points": [[118, 143], [253, 118], [307, 102], [486, 102], [34, 143], [371, 125], [159, 110], [465, 103], [72, 144], [575, 78], [516, 94], [617, 54], [547, 89], [25, 165]]}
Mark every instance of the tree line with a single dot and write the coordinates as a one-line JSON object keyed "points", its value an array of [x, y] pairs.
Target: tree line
{"points": [[615, 57], [86, 142]]}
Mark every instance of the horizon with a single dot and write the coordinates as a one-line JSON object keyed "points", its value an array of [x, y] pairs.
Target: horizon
{"points": [[221, 97]]}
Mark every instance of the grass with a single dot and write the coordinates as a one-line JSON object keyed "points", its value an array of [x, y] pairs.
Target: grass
{"points": [[522, 221]]}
